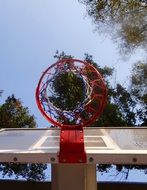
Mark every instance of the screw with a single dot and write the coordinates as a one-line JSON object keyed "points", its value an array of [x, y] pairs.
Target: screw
{"points": [[91, 159], [15, 159], [134, 159], [52, 159]]}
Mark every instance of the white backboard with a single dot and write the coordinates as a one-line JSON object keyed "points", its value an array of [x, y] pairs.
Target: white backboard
{"points": [[103, 145]]}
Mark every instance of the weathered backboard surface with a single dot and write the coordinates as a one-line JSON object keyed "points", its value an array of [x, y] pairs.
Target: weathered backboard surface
{"points": [[103, 145]]}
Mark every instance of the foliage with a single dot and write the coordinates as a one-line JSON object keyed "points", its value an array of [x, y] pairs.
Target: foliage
{"points": [[106, 72], [105, 10], [124, 20], [139, 89], [126, 104], [120, 109], [61, 55], [14, 115], [69, 90], [139, 81], [31, 172]]}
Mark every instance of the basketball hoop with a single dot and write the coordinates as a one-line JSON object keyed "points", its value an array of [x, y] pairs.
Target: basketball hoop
{"points": [[92, 98]]}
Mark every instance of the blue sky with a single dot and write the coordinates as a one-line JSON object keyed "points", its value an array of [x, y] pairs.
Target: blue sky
{"points": [[30, 33]]}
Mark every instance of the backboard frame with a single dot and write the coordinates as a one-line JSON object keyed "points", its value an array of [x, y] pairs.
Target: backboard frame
{"points": [[111, 154]]}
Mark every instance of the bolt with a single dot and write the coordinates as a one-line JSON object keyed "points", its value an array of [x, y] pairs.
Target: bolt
{"points": [[134, 159], [52, 159], [91, 159], [15, 159]]}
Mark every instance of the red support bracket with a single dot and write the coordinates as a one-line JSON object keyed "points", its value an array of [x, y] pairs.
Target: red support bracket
{"points": [[72, 148]]}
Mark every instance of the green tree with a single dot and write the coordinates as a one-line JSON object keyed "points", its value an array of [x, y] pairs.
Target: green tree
{"points": [[14, 115], [69, 91], [124, 20], [139, 89], [126, 104], [139, 81]]}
